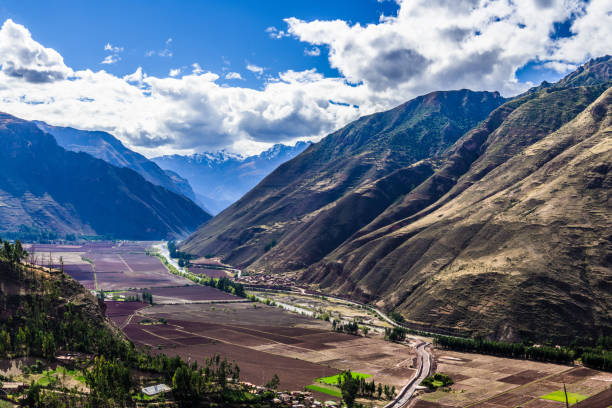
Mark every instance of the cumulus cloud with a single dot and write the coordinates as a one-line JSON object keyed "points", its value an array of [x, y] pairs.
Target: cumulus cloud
{"points": [[429, 45], [175, 72], [22, 57], [233, 75], [442, 44]]}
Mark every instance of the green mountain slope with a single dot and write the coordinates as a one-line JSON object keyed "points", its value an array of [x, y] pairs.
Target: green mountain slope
{"points": [[311, 204], [48, 188]]}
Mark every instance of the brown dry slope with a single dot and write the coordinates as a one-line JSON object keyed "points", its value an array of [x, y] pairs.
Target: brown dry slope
{"points": [[502, 229], [311, 204], [524, 251]]}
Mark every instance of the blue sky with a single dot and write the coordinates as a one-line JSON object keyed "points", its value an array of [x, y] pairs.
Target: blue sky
{"points": [[192, 76], [218, 35]]}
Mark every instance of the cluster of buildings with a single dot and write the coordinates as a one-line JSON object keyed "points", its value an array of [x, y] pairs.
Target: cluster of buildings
{"points": [[293, 399]]}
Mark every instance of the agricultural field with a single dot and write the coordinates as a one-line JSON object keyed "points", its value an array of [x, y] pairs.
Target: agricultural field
{"points": [[197, 322], [334, 308], [211, 273], [266, 340], [492, 382], [107, 266], [191, 294]]}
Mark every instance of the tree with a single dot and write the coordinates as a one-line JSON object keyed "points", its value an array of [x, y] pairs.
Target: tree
{"points": [[48, 346], [274, 382], [387, 392], [33, 396], [108, 381], [188, 385], [379, 390], [349, 386]]}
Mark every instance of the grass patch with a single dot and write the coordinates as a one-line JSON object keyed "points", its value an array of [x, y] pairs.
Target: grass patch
{"points": [[333, 379], [559, 395], [324, 390]]}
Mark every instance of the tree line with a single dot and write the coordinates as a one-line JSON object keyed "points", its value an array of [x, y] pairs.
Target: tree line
{"points": [[352, 387], [598, 357]]}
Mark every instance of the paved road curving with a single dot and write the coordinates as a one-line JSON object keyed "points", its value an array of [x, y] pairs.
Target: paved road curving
{"points": [[424, 364]]}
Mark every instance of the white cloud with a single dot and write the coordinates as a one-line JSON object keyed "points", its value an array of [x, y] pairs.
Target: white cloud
{"points": [[442, 44], [197, 69], [312, 52], [275, 33], [165, 52], [429, 45], [175, 72], [136, 77], [22, 57], [110, 59], [255, 69], [233, 75], [112, 48]]}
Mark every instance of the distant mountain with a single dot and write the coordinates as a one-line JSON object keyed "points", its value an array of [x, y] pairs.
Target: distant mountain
{"points": [[46, 187], [221, 178], [105, 146], [466, 213]]}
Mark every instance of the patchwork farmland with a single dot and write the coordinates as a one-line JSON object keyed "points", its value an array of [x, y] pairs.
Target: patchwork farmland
{"points": [[197, 322]]}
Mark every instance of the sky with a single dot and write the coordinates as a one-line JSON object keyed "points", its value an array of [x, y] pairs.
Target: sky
{"points": [[193, 76]]}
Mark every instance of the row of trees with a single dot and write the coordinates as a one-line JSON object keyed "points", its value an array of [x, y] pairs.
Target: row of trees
{"points": [[395, 334], [601, 360], [224, 284], [12, 253], [513, 350], [352, 387], [183, 257], [349, 328], [147, 297]]}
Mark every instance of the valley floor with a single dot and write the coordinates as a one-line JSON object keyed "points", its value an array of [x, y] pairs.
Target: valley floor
{"points": [[197, 322]]}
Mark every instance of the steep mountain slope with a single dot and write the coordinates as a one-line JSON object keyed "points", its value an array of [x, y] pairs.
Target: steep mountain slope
{"points": [[523, 252], [506, 231], [311, 204], [221, 178], [105, 146], [49, 188]]}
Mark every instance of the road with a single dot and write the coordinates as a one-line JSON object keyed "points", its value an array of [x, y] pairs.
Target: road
{"points": [[424, 364]]}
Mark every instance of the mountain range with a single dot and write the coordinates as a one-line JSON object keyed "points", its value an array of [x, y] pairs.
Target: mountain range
{"points": [[46, 187], [463, 211], [221, 178], [105, 146]]}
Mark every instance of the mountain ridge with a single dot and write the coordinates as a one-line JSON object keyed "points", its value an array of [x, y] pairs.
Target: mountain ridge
{"points": [[220, 178], [49, 188], [103, 145]]}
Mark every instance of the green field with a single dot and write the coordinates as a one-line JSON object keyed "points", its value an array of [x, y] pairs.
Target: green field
{"points": [[325, 390], [559, 395], [333, 379]]}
